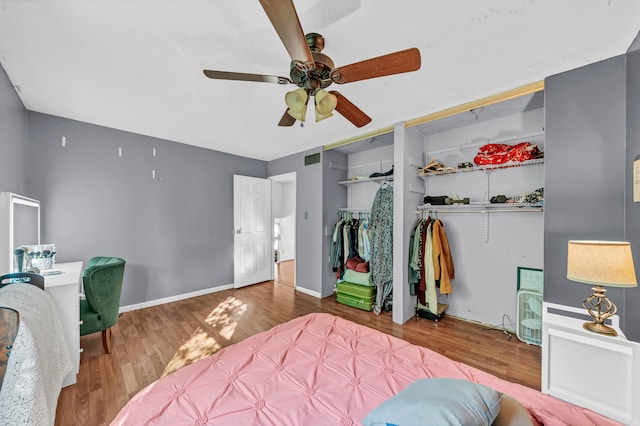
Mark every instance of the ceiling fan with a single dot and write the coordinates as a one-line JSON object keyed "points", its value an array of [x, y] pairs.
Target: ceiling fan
{"points": [[313, 71]]}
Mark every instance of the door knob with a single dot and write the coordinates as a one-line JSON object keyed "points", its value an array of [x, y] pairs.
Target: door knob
{"points": [[238, 231]]}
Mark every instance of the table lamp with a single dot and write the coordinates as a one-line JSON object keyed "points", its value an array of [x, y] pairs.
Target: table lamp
{"points": [[602, 264]]}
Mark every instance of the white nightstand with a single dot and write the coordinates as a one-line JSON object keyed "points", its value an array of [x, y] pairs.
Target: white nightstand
{"points": [[595, 371]]}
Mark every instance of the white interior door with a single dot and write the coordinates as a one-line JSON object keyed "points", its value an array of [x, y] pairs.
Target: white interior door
{"points": [[253, 255]]}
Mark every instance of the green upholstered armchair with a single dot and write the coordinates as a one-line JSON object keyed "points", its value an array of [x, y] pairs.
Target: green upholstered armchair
{"points": [[102, 282]]}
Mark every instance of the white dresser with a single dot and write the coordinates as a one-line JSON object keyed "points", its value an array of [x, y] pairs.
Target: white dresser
{"points": [[64, 289]]}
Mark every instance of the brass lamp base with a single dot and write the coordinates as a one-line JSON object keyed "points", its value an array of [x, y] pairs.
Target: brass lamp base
{"points": [[600, 308], [599, 328]]}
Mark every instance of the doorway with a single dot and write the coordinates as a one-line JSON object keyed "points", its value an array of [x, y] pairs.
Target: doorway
{"points": [[283, 212]]}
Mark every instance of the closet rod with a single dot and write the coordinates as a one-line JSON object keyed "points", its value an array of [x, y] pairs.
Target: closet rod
{"points": [[518, 210], [353, 210]]}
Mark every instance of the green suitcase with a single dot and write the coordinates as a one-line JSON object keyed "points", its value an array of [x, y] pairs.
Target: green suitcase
{"points": [[357, 290], [355, 302], [356, 296]]}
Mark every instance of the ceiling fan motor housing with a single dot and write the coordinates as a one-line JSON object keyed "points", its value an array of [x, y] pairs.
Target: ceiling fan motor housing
{"points": [[319, 77]]}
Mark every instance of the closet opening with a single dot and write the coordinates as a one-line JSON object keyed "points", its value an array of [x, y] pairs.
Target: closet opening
{"points": [[361, 234], [490, 199]]}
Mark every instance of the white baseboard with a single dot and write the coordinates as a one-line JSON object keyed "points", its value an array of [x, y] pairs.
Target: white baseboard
{"points": [[309, 292], [174, 298]]}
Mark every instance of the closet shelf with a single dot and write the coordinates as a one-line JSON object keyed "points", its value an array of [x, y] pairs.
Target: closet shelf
{"points": [[486, 168], [535, 138], [481, 207], [379, 179]]}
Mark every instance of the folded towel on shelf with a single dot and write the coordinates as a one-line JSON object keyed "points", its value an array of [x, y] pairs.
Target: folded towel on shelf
{"points": [[362, 278]]}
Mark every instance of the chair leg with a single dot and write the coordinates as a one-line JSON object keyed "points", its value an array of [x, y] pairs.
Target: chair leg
{"points": [[106, 340]]}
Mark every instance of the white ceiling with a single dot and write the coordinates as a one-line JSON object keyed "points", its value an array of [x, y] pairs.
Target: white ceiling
{"points": [[136, 65]]}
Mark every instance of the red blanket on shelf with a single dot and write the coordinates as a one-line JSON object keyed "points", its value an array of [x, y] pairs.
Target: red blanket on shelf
{"points": [[499, 153]]}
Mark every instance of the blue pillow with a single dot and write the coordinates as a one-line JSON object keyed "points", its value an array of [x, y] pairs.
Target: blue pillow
{"points": [[438, 402]]}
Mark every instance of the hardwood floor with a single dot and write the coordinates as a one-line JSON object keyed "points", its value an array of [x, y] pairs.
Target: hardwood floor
{"points": [[150, 343], [284, 272]]}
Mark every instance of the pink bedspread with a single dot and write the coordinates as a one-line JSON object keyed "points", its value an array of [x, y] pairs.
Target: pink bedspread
{"points": [[318, 369]]}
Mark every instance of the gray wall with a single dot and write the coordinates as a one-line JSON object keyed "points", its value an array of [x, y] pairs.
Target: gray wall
{"points": [[12, 127], [334, 197], [585, 170], [309, 217], [174, 231], [632, 314]]}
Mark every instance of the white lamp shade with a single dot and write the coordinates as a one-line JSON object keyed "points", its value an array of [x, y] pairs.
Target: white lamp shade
{"points": [[325, 103], [297, 103], [605, 263]]}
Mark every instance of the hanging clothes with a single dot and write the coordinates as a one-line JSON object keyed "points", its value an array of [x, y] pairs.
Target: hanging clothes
{"points": [[366, 243], [336, 256], [430, 262], [363, 239], [354, 226], [350, 238], [425, 264], [381, 236], [350, 241], [442, 262], [346, 240], [414, 257], [431, 295]]}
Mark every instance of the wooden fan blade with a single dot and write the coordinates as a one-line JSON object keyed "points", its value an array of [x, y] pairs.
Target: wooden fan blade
{"points": [[393, 63], [350, 111], [284, 19], [286, 120], [227, 75]]}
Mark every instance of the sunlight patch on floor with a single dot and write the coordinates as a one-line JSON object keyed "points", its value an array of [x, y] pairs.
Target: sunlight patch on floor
{"points": [[224, 319], [200, 345], [226, 315]]}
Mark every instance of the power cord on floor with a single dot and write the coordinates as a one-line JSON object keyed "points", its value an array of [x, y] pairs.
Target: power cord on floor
{"points": [[507, 331]]}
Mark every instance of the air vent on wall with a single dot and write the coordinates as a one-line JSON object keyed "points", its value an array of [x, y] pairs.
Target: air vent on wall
{"points": [[312, 159]]}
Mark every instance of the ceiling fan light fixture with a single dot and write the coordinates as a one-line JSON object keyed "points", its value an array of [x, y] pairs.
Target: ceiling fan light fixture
{"points": [[297, 103], [325, 104], [313, 71]]}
